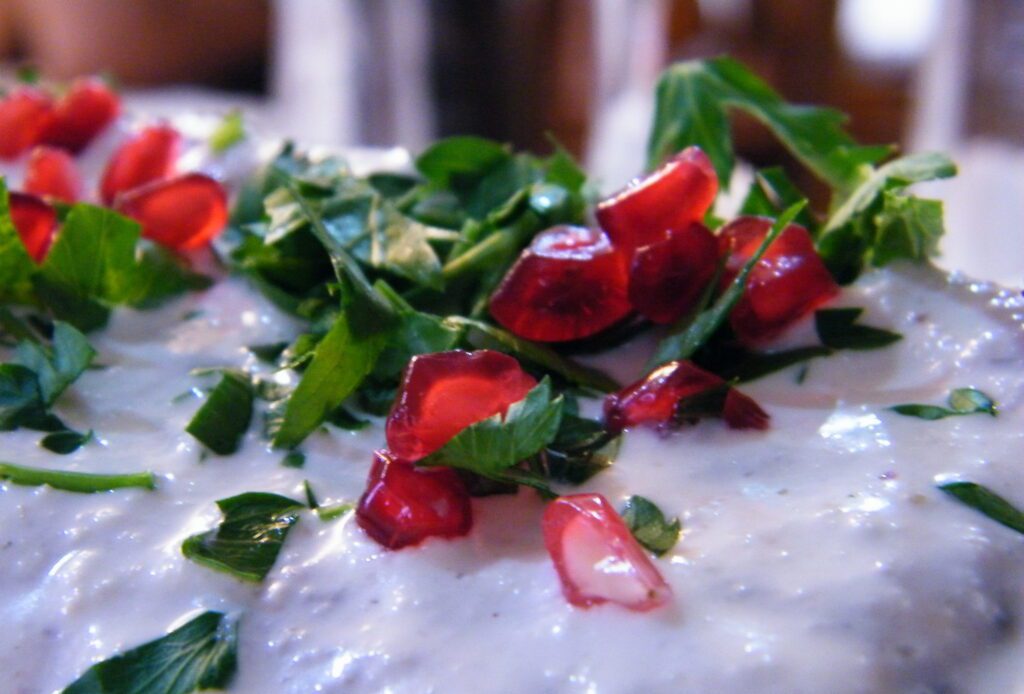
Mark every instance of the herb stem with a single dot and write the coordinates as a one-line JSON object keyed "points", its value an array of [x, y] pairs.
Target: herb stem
{"points": [[80, 482]]}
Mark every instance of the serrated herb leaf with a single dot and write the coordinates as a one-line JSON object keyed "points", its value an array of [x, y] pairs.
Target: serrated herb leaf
{"points": [[685, 338], [649, 525], [986, 501], [491, 446], [57, 367], [691, 102], [228, 133], [962, 401], [223, 419], [249, 537], [908, 228], [81, 482], [201, 654], [838, 328]]}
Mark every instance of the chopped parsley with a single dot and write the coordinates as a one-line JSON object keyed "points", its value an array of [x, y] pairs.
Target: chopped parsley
{"points": [[249, 537], [649, 526], [961, 401], [221, 421], [200, 654], [984, 500]]}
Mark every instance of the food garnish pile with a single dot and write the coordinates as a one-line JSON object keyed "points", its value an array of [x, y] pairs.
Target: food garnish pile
{"points": [[458, 301]]}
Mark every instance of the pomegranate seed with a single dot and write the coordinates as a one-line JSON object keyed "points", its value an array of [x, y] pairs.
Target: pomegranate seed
{"points": [[672, 197], [52, 173], [180, 213], [443, 393], [404, 505], [789, 282], [36, 223], [88, 107], [598, 560], [24, 114], [741, 412], [151, 155], [668, 276], [655, 398], [570, 283]]}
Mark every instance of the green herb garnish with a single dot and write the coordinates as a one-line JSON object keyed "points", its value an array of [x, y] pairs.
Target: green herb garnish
{"points": [[838, 328], [81, 482], [221, 422], [201, 654], [986, 501], [962, 401], [228, 133], [249, 538], [649, 525]]}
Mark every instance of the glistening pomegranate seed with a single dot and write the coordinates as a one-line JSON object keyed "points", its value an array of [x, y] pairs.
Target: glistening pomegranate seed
{"points": [[597, 559], [443, 393], [80, 115], [51, 173], [404, 505], [150, 155], [675, 195], [180, 213], [570, 283], [667, 277], [787, 283], [24, 114], [36, 223]]}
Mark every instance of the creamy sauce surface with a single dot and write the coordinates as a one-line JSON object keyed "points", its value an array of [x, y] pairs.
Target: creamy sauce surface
{"points": [[816, 557]]}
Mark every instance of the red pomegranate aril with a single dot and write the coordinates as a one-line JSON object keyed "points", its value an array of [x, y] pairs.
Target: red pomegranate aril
{"points": [[569, 284], [404, 505], [36, 223], [742, 412], [787, 283], [80, 115], [24, 115], [443, 393], [150, 155], [51, 173], [667, 277], [597, 559], [180, 213], [653, 400], [675, 195]]}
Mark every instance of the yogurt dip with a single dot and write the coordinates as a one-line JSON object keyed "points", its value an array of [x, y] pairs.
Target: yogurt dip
{"points": [[817, 556]]}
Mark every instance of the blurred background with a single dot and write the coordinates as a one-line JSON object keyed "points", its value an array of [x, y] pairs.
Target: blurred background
{"points": [[926, 74]]}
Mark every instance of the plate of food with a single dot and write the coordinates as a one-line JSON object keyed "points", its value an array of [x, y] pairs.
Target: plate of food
{"points": [[286, 421]]}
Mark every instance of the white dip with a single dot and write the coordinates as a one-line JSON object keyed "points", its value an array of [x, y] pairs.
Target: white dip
{"points": [[817, 557]]}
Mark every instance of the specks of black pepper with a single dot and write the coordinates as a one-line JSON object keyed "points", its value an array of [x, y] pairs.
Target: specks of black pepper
{"points": [[374, 601], [494, 615], [783, 492], [888, 475], [459, 576]]}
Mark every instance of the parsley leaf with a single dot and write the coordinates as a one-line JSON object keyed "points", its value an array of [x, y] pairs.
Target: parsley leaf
{"points": [[249, 538], [581, 449], [65, 441], [692, 98], [59, 367], [649, 525], [962, 401], [986, 501], [81, 482], [201, 654], [837, 328], [456, 160], [493, 445], [221, 422]]}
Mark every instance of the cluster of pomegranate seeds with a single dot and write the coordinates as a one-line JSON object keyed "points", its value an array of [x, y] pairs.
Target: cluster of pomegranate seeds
{"points": [[81, 114], [670, 198], [569, 284], [51, 173], [597, 558], [404, 505], [181, 213], [35, 221], [149, 155], [787, 283], [668, 276], [654, 399], [29, 116]]}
